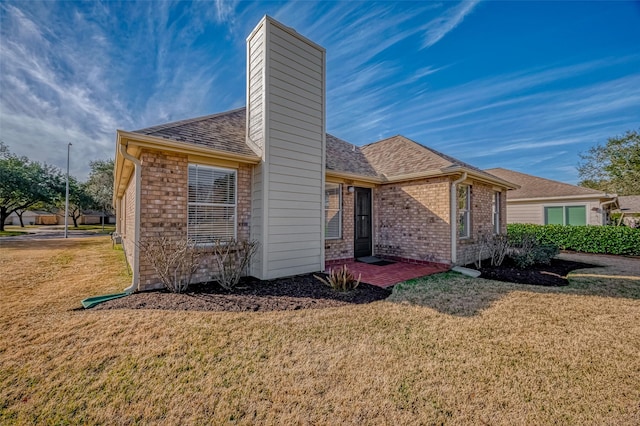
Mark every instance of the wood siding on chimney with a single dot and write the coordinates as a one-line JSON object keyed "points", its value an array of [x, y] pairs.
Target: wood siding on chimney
{"points": [[288, 192]]}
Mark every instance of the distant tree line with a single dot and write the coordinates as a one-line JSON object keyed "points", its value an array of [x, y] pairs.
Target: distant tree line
{"points": [[613, 167], [29, 185]]}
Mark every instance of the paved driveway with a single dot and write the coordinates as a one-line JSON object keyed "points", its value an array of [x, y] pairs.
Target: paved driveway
{"points": [[51, 232], [619, 266]]}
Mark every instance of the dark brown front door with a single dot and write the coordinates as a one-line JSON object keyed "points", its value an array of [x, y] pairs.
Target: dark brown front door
{"points": [[362, 237]]}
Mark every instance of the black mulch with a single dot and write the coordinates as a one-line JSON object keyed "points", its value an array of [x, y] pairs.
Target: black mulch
{"points": [[554, 274], [298, 292]]}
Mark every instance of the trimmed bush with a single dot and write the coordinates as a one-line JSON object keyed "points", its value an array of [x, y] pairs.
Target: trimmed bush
{"points": [[528, 251], [588, 239], [232, 259], [174, 260]]}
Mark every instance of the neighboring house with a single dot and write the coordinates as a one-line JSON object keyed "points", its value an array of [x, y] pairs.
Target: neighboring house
{"points": [[544, 201], [95, 217], [88, 217], [271, 173], [32, 217], [629, 206], [39, 217]]}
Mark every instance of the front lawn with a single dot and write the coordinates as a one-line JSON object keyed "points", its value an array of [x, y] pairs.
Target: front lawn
{"points": [[107, 228], [445, 349], [12, 233]]}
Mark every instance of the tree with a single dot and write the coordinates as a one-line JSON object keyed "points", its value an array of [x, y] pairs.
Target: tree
{"points": [[24, 183], [79, 200], [613, 167], [100, 185], [19, 213]]}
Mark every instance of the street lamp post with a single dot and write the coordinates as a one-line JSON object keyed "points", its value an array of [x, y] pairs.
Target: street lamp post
{"points": [[66, 200]]}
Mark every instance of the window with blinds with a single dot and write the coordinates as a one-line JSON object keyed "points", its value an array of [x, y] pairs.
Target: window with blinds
{"points": [[332, 211], [495, 216], [211, 204]]}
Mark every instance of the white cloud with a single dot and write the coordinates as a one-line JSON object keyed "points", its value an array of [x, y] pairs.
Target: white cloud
{"points": [[69, 72], [225, 10], [442, 25]]}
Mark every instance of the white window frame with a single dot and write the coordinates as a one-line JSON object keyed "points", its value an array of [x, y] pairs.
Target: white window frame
{"points": [[338, 211], [464, 213], [495, 218], [234, 172]]}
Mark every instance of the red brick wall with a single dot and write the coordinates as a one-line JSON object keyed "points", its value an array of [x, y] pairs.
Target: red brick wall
{"points": [[163, 199], [481, 221], [164, 207], [244, 201], [412, 220]]}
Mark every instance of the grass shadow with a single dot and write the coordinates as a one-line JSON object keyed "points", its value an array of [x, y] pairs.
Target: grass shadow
{"points": [[455, 294]]}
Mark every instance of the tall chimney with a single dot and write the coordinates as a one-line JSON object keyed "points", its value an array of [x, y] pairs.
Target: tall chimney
{"points": [[286, 125]]}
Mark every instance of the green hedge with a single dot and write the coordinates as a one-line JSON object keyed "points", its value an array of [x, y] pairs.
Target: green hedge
{"points": [[588, 239]]}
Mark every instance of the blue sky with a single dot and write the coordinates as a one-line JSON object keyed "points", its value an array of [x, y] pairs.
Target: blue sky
{"points": [[521, 85]]}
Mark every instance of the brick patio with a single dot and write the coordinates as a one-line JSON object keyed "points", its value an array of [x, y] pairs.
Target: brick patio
{"points": [[385, 276]]}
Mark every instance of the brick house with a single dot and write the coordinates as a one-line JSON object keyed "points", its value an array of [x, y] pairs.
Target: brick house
{"points": [[271, 173]]}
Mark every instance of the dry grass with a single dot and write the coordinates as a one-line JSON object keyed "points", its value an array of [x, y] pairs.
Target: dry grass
{"points": [[443, 350]]}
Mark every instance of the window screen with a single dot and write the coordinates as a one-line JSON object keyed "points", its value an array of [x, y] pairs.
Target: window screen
{"points": [[332, 211], [211, 204]]}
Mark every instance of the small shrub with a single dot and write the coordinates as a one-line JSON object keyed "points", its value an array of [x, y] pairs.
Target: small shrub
{"points": [[544, 253], [529, 251], [499, 249], [496, 248], [340, 279], [232, 258], [175, 261]]}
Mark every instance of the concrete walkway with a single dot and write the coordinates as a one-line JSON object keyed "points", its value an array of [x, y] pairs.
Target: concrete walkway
{"points": [[610, 266]]}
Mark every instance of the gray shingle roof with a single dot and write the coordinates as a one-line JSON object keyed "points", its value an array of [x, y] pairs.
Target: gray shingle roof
{"points": [[399, 155], [345, 157], [224, 131], [537, 187], [629, 203], [386, 158]]}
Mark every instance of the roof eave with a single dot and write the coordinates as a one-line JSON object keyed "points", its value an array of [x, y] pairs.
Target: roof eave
{"points": [[353, 176], [564, 197], [447, 171], [147, 141], [139, 141], [482, 176]]}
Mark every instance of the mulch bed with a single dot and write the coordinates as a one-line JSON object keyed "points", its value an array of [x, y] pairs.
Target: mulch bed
{"points": [[306, 292], [553, 275], [299, 292]]}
